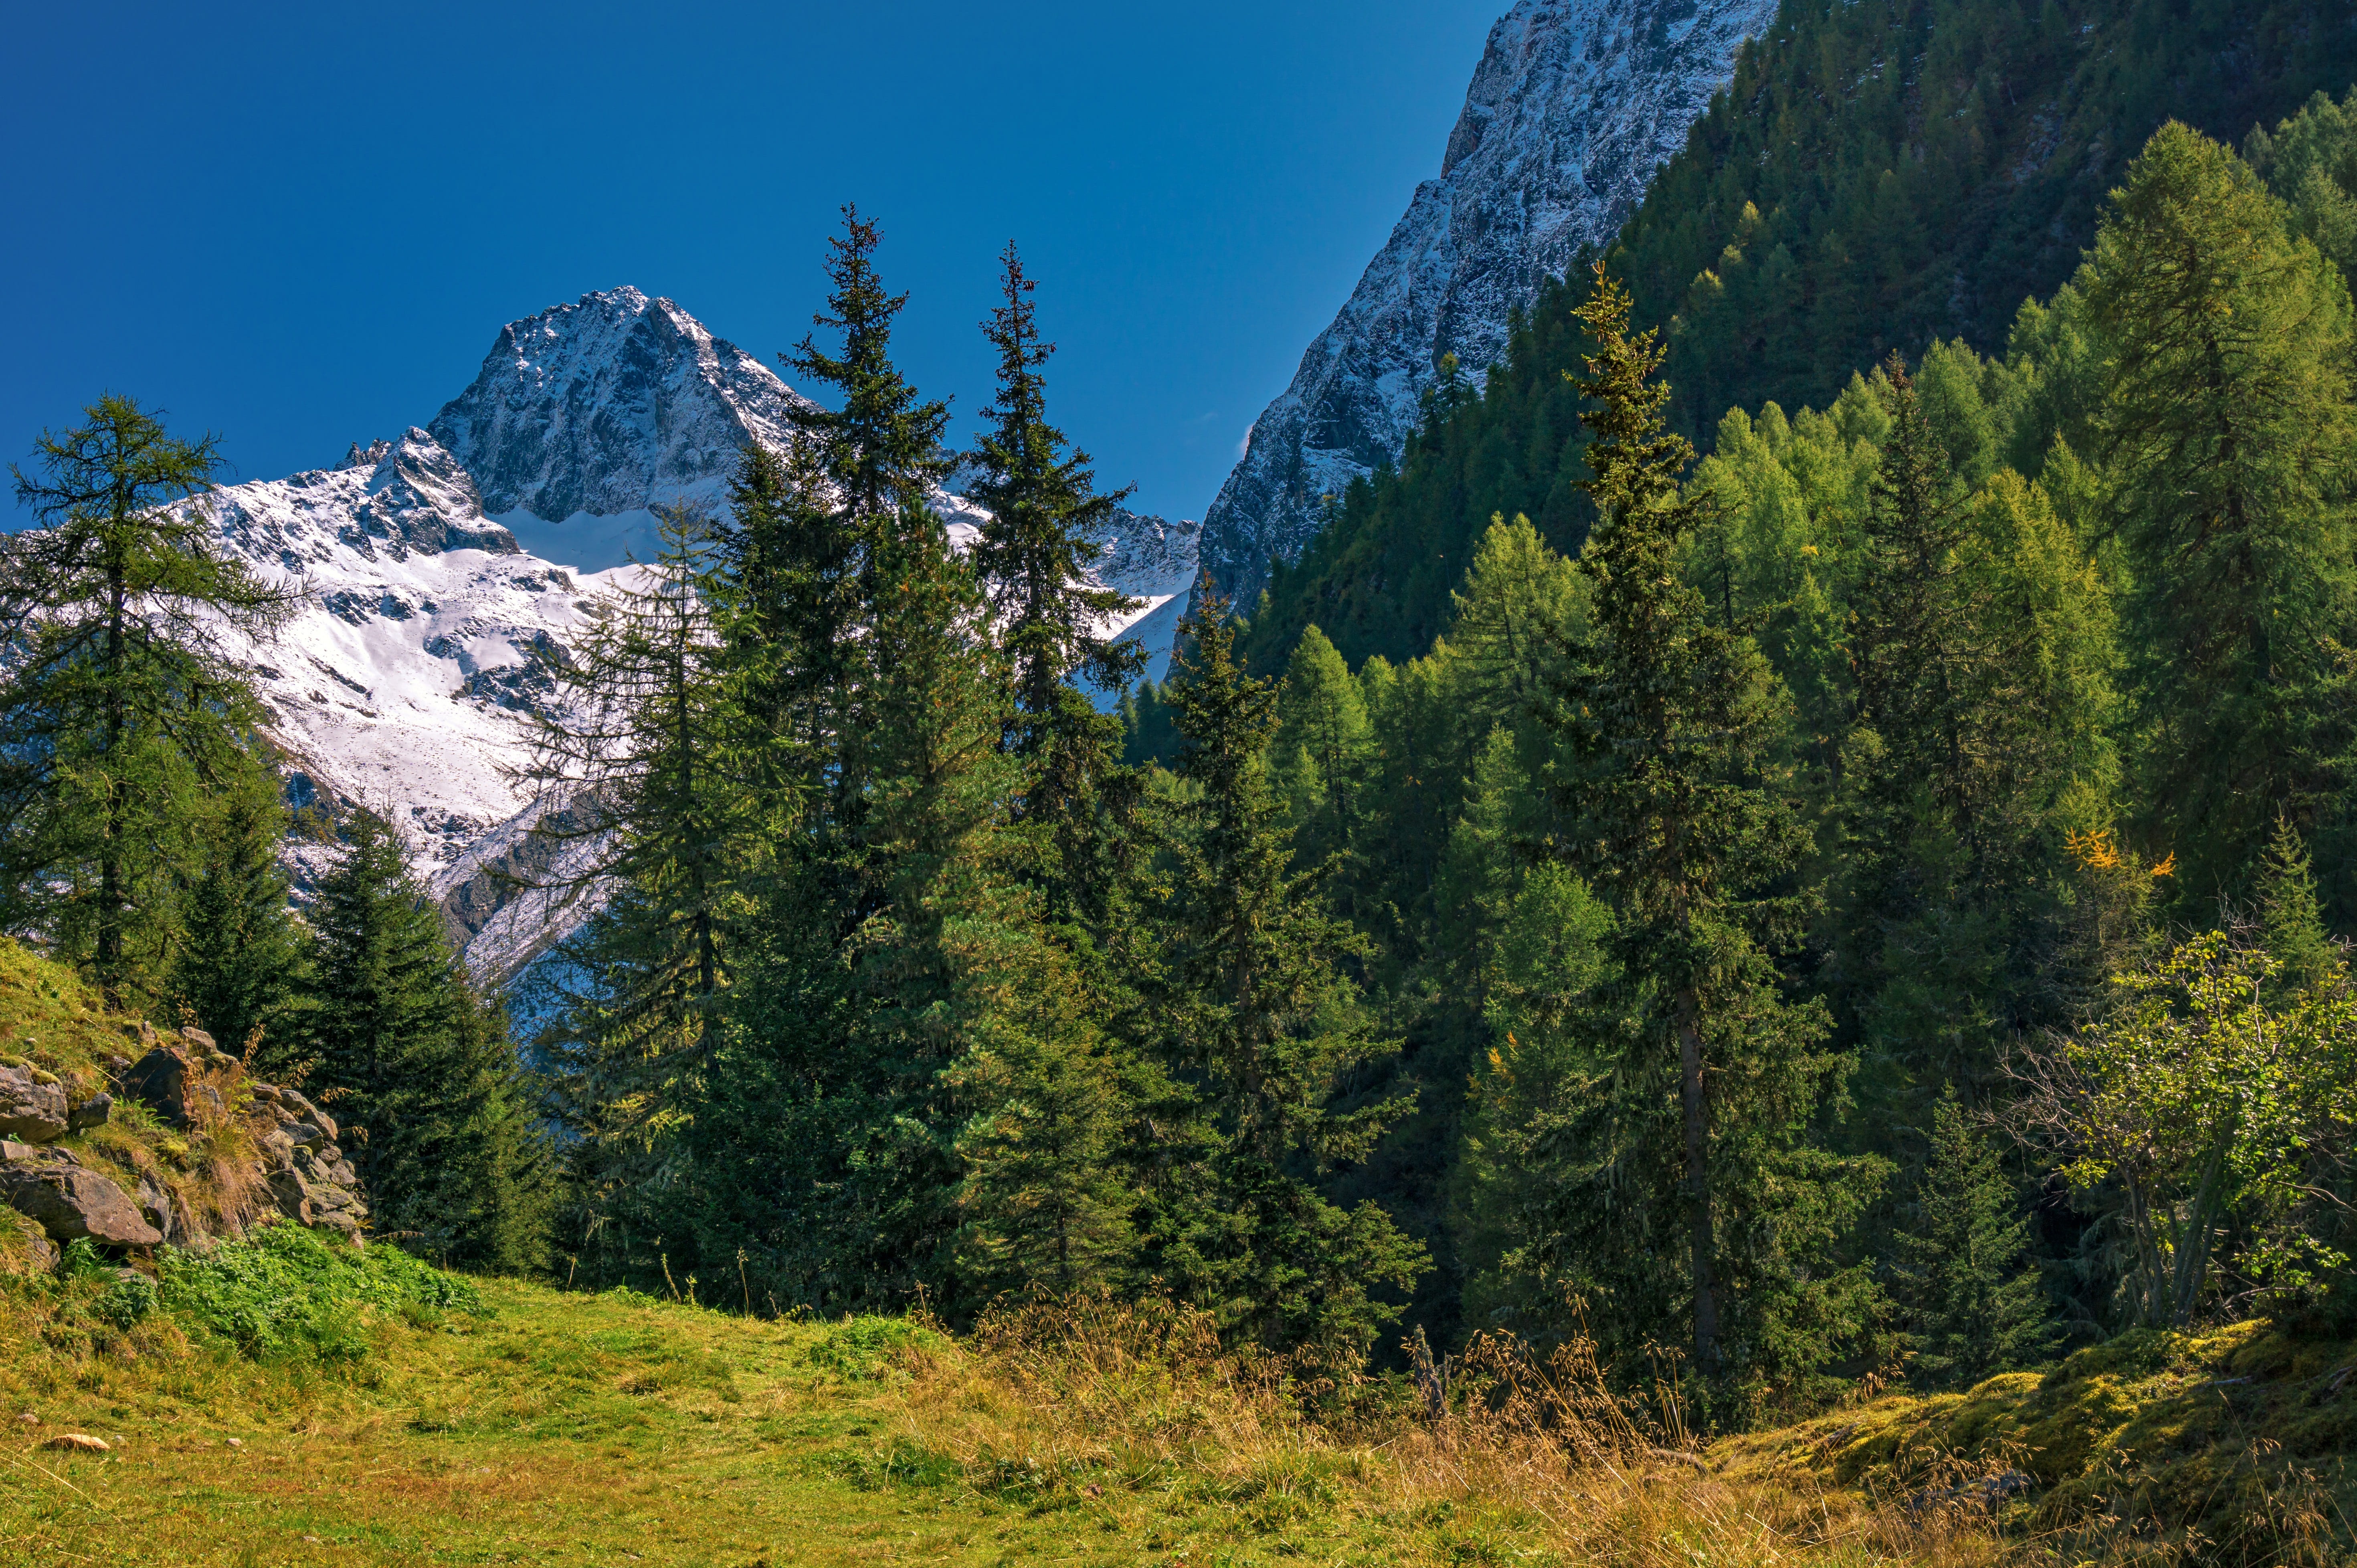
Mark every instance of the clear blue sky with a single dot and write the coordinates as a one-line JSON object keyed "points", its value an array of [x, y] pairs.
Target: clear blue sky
{"points": [[302, 225]]}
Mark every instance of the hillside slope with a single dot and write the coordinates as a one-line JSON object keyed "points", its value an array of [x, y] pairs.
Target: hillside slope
{"points": [[1573, 106], [1878, 173]]}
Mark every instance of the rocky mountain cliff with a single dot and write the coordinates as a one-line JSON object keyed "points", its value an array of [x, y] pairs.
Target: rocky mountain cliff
{"points": [[601, 408], [1575, 105]]}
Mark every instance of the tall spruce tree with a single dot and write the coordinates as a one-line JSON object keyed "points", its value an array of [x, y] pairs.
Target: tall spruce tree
{"points": [[641, 769], [1671, 720], [1038, 557], [911, 1093], [1256, 1018], [125, 704], [419, 1065]]}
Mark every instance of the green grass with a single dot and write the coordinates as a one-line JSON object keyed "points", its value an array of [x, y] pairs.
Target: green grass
{"points": [[585, 1429], [531, 1425], [288, 1400]]}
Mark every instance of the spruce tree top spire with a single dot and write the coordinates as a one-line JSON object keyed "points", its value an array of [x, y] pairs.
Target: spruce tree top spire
{"points": [[1037, 551], [882, 449]]}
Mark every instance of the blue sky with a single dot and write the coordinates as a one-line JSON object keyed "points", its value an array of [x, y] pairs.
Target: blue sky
{"points": [[302, 225]]}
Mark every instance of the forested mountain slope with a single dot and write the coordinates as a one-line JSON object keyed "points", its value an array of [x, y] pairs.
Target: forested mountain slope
{"points": [[1877, 175], [1575, 105]]}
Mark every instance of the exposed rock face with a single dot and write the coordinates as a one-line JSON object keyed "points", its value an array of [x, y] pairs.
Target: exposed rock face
{"points": [[307, 1175], [30, 1109], [310, 1179], [1574, 106], [608, 404], [386, 501], [165, 1079], [69, 1203]]}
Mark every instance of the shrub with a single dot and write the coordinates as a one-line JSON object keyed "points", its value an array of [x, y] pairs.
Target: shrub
{"points": [[285, 1292]]}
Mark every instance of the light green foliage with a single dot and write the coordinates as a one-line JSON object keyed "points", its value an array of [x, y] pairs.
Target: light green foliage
{"points": [[286, 1292], [2197, 1102], [2311, 162], [1322, 742]]}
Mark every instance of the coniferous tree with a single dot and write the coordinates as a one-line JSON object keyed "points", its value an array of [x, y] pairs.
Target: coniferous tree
{"points": [[1973, 1307], [1322, 742], [910, 1092], [1036, 558], [2226, 410], [240, 968], [418, 1066], [2291, 916], [1671, 721], [124, 705], [641, 773], [2311, 162], [1256, 1018]]}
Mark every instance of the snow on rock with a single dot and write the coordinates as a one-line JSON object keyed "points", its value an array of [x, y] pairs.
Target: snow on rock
{"points": [[1575, 105], [427, 631], [433, 629], [1154, 562], [584, 415]]}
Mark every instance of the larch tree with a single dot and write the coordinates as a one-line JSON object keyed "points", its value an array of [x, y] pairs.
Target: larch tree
{"points": [[124, 704]]}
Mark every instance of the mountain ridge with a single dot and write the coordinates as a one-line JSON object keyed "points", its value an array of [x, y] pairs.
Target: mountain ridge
{"points": [[1573, 107]]}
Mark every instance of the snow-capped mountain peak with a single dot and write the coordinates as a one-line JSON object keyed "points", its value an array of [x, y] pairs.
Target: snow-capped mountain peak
{"points": [[602, 407]]}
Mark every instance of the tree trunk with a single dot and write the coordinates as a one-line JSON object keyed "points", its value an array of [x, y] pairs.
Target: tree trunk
{"points": [[1697, 1135]]}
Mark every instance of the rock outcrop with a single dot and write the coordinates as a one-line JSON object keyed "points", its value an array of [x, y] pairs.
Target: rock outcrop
{"points": [[69, 1203], [608, 404], [310, 1179], [1575, 105], [32, 1105], [182, 1079]]}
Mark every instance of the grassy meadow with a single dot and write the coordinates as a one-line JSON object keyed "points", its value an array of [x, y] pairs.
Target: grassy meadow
{"points": [[520, 1423]]}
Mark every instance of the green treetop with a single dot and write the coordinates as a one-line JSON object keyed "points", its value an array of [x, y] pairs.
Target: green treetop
{"points": [[125, 703]]}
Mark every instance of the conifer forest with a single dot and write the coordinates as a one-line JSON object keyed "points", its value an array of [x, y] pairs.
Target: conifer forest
{"points": [[1803, 836]]}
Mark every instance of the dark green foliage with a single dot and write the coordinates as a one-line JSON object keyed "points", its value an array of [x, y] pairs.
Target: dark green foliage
{"points": [[2225, 415], [1970, 1301], [1035, 560], [124, 708], [1265, 1034], [240, 969], [418, 1067], [1680, 1186], [1147, 733]]}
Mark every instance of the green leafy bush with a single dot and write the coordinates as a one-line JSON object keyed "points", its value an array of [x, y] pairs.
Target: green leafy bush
{"points": [[285, 1292], [864, 1348]]}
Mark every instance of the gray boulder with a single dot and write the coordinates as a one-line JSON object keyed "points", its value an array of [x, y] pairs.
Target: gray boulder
{"points": [[164, 1078], [29, 1109], [91, 1113], [71, 1203]]}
